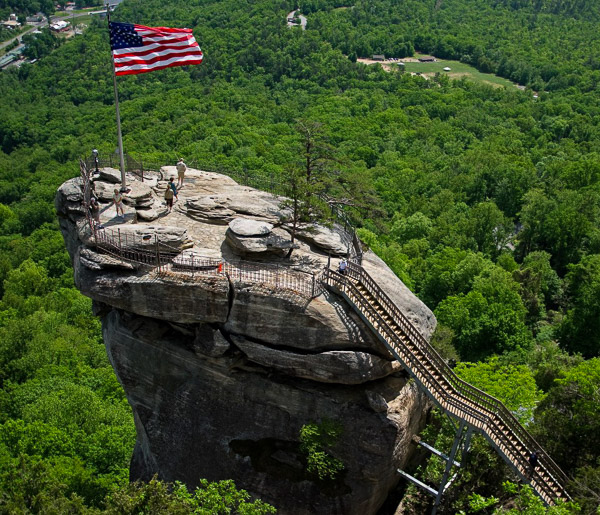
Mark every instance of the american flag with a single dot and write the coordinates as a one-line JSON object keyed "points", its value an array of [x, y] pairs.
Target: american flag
{"points": [[140, 49]]}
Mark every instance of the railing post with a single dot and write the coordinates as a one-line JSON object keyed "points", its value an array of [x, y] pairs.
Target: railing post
{"points": [[157, 252], [120, 246]]}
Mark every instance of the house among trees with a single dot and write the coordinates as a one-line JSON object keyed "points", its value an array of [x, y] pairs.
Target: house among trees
{"points": [[378, 57], [11, 23], [36, 18], [427, 59], [60, 26]]}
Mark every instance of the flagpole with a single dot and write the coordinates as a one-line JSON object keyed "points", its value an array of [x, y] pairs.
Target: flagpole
{"points": [[118, 114]]}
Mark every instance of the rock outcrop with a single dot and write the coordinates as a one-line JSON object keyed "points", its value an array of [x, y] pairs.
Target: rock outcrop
{"points": [[223, 361]]}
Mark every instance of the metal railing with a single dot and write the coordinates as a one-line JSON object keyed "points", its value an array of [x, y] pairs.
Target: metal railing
{"points": [[466, 402], [269, 183], [150, 251]]}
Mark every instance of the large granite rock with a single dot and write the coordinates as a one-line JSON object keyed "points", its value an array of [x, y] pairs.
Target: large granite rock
{"points": [[208, 209], [104, 191], [207, 411], [152, 213], [111, 175], [248, 227], [148, 237], [331, 240], [275, 243], [139, 194], [223, 368]]}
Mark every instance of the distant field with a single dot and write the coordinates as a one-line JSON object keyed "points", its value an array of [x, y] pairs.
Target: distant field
{"points": [[458, 70]]}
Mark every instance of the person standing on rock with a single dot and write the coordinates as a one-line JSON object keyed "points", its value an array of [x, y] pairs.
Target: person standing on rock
{"points": [[95, 211], [169, 194], [118, 202], [181, 168], [173, 187]]}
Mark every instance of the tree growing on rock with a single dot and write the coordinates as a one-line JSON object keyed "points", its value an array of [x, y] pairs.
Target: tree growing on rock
{"points": [[319, 181]]}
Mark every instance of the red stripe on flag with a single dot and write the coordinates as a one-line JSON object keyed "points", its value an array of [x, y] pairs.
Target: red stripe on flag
{"points": [[162, 29], [135, 72], [156, 59], [192, 48]]}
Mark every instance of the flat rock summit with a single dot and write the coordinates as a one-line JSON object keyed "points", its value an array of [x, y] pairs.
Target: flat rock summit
{"points": [[226, 345]]}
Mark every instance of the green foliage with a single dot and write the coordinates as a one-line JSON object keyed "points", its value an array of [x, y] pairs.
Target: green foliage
{"points": [[514, 385], [488, 319], [568, 419], [39, 45], [580, 330], [522, 500], [220, 498], [316, 442]]}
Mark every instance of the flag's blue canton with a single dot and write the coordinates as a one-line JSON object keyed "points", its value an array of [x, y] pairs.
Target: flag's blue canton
{"points": [[123, 35]]}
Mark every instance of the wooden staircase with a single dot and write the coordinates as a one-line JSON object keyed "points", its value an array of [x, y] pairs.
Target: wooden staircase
{"points": [[459, 399]]}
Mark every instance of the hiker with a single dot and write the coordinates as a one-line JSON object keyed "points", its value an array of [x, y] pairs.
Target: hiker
{"points": [[95, 211], [173, 187], [118, 202], [169, 194], [342, 267], [181, 168], [533, 461]]}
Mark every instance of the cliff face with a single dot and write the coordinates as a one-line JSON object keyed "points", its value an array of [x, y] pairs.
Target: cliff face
{"points": [[222, 368]]}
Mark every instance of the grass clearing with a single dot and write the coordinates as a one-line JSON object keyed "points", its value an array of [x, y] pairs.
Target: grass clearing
{"points": [[458, 70]]}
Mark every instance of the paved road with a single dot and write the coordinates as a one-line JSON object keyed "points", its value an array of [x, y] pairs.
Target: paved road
{"points": [[8, 42]]}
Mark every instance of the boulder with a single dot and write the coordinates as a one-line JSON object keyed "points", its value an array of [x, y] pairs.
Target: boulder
{"points": [[273, 316], [200, 411], [147, 237], [275, 243], [95, 261], [110, 175], [151, 214], [69, 198], [161, 297], [195, 260], [333, 241], [256, 204], [222, 368], [139, 194], [248, 227], [208, 209], [104, 191]]}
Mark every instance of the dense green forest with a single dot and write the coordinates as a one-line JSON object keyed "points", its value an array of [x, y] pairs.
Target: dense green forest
{"points": [[488, 207]]}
